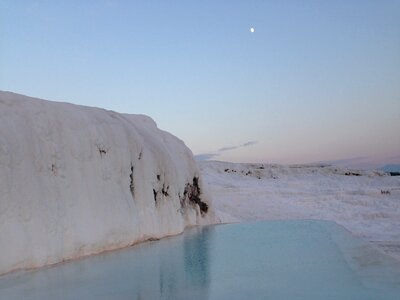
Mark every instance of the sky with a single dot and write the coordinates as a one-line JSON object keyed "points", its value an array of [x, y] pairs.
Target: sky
{"points": [[316, 81]]}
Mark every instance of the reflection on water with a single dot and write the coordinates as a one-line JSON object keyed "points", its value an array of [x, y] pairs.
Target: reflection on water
{"points": [[196, 258], [268, 260], [184, 267], [162, 269]]}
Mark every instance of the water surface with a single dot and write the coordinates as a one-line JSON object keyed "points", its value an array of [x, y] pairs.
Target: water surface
{"points": [[265, 260]]}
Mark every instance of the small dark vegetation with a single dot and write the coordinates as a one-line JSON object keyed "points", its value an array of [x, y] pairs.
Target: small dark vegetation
{"points": [[352, 174], [155, 195], [164, 190], [132, 185], [102, 151], [191, 195], [54, 169], [158, 191]]}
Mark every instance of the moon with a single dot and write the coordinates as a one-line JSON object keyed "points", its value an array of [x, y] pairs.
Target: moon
{"points": [[252, 30]]}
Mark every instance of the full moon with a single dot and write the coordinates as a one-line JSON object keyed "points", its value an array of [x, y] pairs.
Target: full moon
{"points": [[252, 29]]}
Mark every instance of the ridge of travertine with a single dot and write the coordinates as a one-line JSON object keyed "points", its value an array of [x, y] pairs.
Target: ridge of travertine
{"points": [[78, 180]]}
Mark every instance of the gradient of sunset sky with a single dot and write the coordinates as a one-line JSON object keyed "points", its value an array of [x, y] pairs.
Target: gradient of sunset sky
{"points": [[316, 81]]}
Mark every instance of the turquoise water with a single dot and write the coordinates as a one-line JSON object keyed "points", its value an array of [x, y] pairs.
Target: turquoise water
{"points": [[265, 260]]}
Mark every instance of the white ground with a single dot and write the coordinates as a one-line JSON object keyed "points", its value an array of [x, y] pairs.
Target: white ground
{"points": [[250, 192]]}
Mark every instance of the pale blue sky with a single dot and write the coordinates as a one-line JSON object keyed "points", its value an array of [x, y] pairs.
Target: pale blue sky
{"points": [[317, 80]]}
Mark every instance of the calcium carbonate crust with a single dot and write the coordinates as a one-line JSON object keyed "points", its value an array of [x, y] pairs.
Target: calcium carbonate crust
{"points": [[76, 180]]}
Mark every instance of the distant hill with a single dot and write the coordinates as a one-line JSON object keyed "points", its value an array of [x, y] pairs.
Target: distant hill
{"points": [[391, 168]]}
